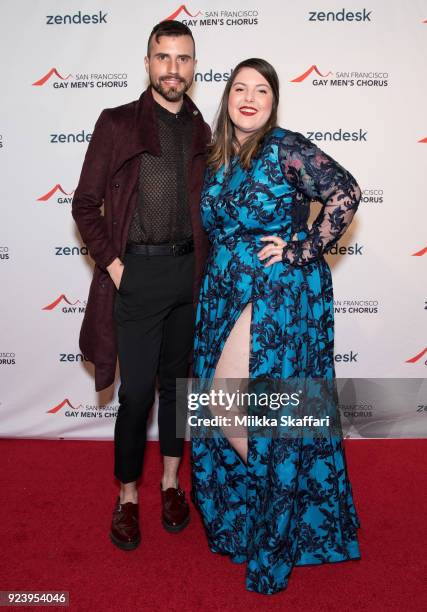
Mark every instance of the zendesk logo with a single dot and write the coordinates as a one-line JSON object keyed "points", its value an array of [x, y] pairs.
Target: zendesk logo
{"points": [[355, 249], [72, 357], [358, 135], [73, 250], [346, 357], [71, 137], [342, 15], [212, 77], [76, 19]]}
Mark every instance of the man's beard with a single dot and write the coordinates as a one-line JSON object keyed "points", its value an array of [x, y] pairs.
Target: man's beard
{"points": [[171, 94]]}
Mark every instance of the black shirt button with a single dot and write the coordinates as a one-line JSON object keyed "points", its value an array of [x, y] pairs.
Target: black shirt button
{"points": [[116, 185]]}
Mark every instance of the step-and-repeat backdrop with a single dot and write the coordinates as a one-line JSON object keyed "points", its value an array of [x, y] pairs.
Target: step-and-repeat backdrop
{"points": [[353, 80]]}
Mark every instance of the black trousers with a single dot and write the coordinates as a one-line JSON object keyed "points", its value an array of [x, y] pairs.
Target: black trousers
{"points": [[154, 317]]}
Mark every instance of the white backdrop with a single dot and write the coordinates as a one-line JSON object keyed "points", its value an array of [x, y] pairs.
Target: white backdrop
{"points": [[64, 61]]}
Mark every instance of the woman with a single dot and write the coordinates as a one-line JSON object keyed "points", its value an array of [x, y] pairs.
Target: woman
{"points": [[266, 310]]}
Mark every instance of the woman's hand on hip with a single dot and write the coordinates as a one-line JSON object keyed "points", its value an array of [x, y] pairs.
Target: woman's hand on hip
{"points": [[273, 250]]}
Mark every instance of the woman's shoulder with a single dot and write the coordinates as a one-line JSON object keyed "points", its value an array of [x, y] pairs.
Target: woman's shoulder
{"points": [[286, 137]]}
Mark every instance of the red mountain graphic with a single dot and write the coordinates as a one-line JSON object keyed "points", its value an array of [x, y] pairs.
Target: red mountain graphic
{"points": [[424, 140], [50, 193], [419, 253], [417, 357], [308, 72], [47, 76], [61, 298], [182, 9], [65, 402]]}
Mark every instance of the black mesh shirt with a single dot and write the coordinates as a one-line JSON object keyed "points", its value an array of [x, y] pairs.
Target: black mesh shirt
{"points": [[162, 213]]}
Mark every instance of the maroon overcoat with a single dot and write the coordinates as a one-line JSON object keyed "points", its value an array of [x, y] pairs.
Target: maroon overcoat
{"points": [[109, 181]]}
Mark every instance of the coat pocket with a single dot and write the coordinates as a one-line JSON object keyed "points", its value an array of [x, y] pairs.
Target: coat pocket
{"points": [[123, 279]]}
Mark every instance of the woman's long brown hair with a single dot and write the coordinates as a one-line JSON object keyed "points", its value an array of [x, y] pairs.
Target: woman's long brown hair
{"points": [[225, 144]]}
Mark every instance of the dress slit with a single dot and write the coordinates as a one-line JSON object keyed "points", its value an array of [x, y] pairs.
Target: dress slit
{"points": [[231, 364], [235, 353]]}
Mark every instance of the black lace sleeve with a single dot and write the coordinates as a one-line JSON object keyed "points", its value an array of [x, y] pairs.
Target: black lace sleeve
{"points": [[319, 177]]}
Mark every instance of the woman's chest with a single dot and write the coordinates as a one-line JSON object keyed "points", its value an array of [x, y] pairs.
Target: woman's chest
{"points": [[256, 195]]}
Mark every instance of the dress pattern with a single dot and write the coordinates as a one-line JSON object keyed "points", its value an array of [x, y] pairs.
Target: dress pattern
{"points": [[292, 503]]}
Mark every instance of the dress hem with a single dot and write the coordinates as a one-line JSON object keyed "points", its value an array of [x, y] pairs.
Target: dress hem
{"points": [[239, 560]]}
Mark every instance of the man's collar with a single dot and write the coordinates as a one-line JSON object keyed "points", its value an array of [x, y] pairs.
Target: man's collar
{"points": [[168, 115]]}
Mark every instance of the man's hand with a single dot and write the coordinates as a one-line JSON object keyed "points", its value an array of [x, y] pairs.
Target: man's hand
{"points": [[115, 270]]}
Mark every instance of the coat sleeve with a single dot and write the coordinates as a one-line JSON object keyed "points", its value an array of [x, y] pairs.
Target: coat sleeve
{"points": [[319, 177], [89, 195]]}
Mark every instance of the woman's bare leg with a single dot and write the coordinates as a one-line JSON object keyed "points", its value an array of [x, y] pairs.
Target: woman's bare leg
{"points": [[234, 363]]}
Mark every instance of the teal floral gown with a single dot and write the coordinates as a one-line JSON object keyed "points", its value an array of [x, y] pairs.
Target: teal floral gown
{"points": [[292, 503]]}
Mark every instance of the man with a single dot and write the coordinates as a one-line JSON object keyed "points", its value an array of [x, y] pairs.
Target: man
{"points": [[145, 164]]}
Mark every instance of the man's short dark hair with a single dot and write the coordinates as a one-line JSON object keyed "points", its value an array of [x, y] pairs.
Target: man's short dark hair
{"points": [[170, 28]]}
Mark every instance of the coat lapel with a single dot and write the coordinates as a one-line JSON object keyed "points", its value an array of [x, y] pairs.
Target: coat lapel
{"points": [[138, 131], [200, 132], [142, 133]]}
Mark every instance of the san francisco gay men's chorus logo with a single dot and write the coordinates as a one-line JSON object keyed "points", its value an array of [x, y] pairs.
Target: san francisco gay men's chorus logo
{"points": [[215, 17], [66, 306], [81, 80], [343, 78], [85, 411], [418, 357], [56, 191]]}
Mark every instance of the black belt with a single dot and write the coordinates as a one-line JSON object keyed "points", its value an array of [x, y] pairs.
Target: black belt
{"points": [[180, 248]]}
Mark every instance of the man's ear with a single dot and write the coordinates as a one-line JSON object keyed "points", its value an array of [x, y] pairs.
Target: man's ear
{"points": [[146, 63]]}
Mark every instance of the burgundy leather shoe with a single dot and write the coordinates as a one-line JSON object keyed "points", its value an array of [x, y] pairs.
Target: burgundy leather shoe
{"points": [[175, 510], [125, 526]]}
